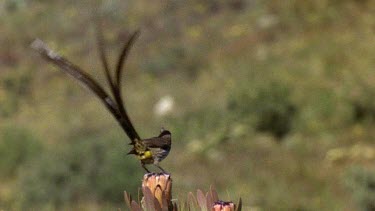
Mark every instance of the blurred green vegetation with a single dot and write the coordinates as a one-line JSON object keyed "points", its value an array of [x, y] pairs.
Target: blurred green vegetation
{"points": [[82, 170], [362, 182], [271, 98]]}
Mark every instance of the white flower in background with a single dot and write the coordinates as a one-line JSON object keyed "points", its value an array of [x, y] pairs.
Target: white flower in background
{"points": [[164, 106]]}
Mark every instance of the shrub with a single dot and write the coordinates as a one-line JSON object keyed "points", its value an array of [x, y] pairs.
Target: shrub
{"points": [[267, 107]]}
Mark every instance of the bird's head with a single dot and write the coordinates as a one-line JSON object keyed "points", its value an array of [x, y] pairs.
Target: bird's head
{"points": [[164, 132]]}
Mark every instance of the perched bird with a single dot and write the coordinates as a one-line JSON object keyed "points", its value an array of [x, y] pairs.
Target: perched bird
{"points": [[148, 151]]}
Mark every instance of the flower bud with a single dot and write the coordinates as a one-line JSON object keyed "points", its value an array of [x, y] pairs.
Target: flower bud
{"points": [[160, 186], [223, 206]]}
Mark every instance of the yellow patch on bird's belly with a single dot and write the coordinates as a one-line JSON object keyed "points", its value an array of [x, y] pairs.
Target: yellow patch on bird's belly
{"points": [[146, 157]]}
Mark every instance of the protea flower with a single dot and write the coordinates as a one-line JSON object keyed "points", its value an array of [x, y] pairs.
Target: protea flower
{"points": [[157, 195], [223, 206], [158, 186], [210, 201]]}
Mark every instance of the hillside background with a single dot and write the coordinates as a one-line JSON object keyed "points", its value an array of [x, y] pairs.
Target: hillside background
{"points": [[273, 101]]}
